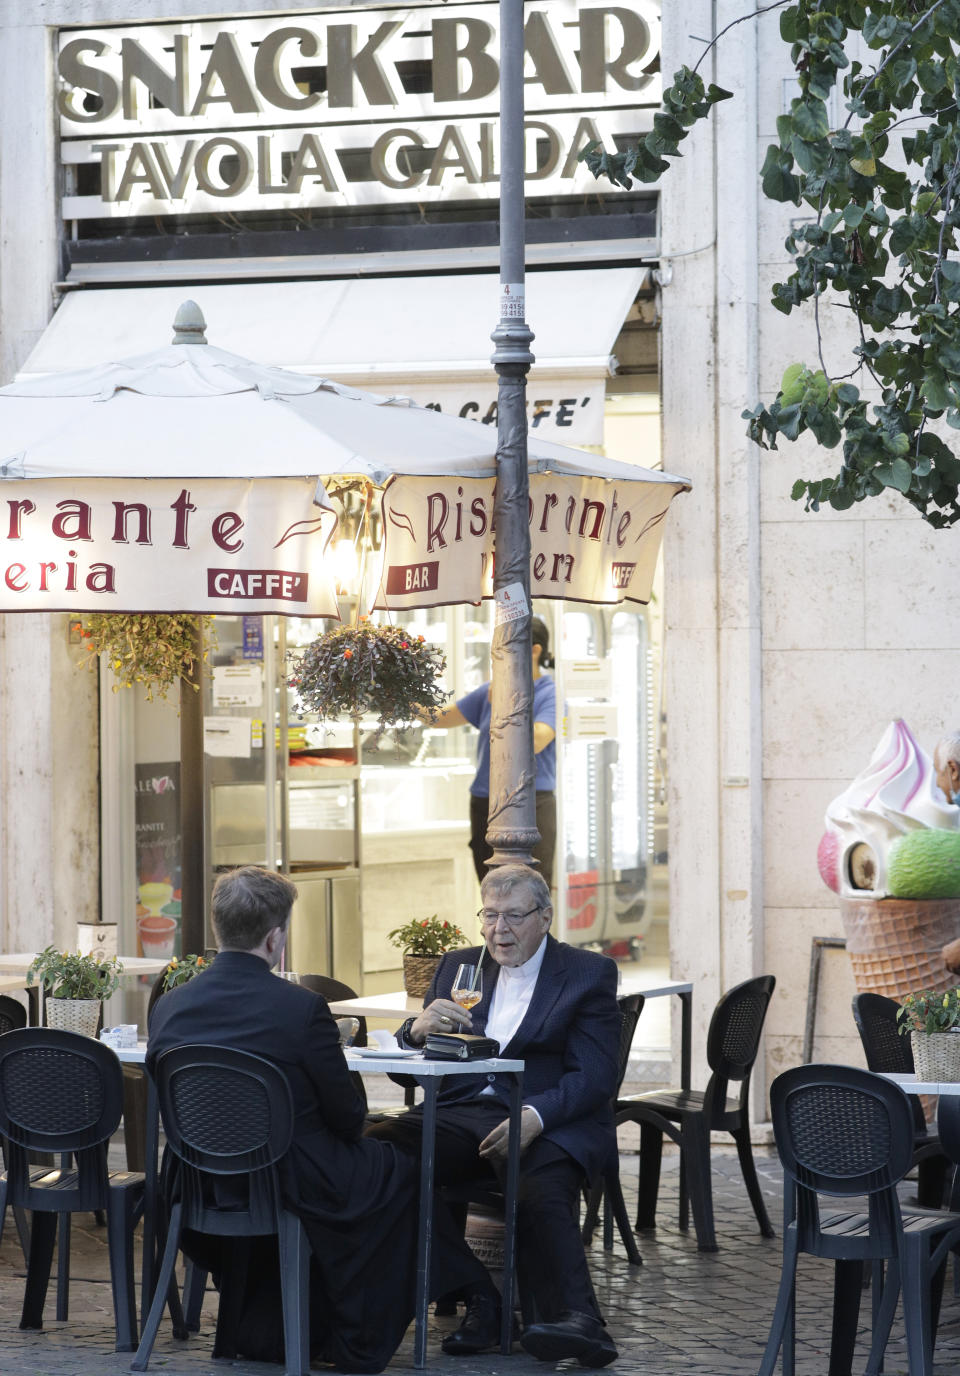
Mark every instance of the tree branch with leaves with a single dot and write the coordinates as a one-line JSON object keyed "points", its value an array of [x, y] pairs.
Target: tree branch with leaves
{"points": [[880, 240]]}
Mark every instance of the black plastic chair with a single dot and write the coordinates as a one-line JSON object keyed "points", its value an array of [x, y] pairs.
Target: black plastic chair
{"points": [[886, 1051], [333, 990], [607, 1185], [228, 1117], [13, 1015], [688, 1117], [63, 1093], [843, 1132]]}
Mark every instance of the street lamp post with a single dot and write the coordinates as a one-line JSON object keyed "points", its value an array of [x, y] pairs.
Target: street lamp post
{"points": [[512, 830]]}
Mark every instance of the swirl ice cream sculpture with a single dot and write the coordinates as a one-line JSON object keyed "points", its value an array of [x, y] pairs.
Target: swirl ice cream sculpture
{"points": [[891, 850]]}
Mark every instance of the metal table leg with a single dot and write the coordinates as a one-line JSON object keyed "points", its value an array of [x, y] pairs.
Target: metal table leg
{"points": [[510, 1215], [149, 1266], [686, 1037], [425, 1231]]}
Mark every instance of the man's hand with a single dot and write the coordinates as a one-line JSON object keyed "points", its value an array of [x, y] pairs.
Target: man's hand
{"points": [[443, 1015], [494, 1145]]}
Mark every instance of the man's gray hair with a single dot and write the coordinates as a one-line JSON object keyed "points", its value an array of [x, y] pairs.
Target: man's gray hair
{"points": [[949, 749], [505, 878]]}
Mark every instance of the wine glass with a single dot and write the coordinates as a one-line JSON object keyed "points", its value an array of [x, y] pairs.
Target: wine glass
{"points": [[289, 975], [467, 986]]}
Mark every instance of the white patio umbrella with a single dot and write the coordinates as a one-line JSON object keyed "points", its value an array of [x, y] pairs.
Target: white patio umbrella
{"points": [[84, 456]]}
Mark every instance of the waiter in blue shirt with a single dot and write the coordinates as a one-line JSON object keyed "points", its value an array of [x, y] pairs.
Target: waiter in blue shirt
{"points": [[474, 710]]}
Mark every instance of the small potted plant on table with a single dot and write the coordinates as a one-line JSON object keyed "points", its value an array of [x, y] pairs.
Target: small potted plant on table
{"points": [[76, 985], [423, 942], [932, 1018]]}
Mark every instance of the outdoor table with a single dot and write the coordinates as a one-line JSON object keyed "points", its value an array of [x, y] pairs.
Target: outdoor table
{"points": [[399, 1004], [137, 1055], [429, 1074]]}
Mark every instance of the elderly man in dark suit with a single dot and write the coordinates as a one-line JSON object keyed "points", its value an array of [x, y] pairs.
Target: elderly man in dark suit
{"points": [[357, 1197], [555, 1006]]}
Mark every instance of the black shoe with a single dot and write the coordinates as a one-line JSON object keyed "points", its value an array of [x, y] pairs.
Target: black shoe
{"points": [[479, 1331], [573, 1335]]}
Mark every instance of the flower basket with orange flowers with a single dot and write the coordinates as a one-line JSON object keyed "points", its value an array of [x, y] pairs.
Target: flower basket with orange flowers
{"points": [[369, 670]]}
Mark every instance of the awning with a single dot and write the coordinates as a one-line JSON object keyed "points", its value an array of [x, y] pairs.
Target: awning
{"points": [[424, 337]]}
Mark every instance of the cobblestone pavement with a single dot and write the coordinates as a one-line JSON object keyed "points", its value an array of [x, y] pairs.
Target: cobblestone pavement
{"points": [[682, 1311]]}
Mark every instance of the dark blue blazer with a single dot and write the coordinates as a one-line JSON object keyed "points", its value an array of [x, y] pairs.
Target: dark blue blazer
{"points": [[569, 1041]]}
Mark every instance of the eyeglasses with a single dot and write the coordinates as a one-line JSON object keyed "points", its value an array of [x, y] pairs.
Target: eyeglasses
{"points": [[489, 918]]}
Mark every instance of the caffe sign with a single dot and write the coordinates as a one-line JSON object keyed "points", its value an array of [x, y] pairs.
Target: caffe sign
{"points": [[164, 545], [342, 108]]}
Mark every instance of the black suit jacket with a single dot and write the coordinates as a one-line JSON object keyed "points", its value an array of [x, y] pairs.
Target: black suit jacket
{"points": [[239, 1003], [569, 1041]]}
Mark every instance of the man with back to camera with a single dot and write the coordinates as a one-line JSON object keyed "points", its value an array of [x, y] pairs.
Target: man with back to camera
{"points": [[473, 709], [555, 1007], [357, 1197]]}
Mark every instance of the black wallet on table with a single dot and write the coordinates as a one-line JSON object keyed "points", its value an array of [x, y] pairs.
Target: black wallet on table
{"points": [[460, 1046]]}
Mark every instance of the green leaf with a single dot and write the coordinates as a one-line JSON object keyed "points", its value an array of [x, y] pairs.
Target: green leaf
{"points": [[852, 215], [778, 182], [810, 119]]}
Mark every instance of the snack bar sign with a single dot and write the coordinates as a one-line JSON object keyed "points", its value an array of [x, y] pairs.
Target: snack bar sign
{"points": [[161, 545], [591, 540], [342, 108]]}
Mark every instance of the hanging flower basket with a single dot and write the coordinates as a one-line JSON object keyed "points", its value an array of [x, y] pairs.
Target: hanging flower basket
{"points": [[370, 671], [153, 649]]}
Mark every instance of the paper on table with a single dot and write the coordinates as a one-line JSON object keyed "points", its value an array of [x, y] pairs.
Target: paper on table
{"points": [[227, 736], [384, 1051]]}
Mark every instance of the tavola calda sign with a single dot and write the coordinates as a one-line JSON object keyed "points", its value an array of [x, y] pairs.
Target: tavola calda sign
{"points": [[165, 545], [591, 539]]}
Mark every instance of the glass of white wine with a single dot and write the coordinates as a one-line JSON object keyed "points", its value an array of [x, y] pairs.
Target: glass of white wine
{"points": [[467, 986]]}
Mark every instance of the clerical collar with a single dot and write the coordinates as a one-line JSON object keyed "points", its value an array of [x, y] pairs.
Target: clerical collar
{"points": [[530, 968]]}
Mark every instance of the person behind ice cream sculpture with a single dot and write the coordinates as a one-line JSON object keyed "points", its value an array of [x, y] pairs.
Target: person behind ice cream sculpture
{"points": [[946, 762]]}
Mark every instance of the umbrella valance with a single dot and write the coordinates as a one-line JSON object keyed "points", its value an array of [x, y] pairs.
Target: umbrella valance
{"points": [[89, 456]]}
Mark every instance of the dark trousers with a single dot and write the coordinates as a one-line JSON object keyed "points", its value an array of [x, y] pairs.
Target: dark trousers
{"points": [[551, 1262], [542, 851]]}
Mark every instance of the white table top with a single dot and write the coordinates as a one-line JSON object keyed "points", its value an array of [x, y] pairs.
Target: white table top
{"points": [[132, 965], [8, 983], [912, 1085], [399, 1004], [637, 984], [409, 1065], [396, 1004]]}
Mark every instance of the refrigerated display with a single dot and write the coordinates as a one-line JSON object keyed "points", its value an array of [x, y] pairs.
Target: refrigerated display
{"points": [[606, 779]]}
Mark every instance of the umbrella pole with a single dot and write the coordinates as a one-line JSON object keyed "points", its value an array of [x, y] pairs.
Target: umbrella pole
{"points": [[512, 829], [191, 803]]}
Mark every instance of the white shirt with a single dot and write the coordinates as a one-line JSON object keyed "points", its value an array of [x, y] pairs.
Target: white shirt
{"points": [[511, 999]]}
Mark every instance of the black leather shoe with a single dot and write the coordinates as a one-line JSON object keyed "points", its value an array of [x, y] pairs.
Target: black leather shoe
{"points": [[573, 1335], [479, 1331]]}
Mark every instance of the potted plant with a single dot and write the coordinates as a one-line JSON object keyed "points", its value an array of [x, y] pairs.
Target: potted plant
{"points": [[154, 649], [177, 971], [932, 1019], [370, 670], [76, 985], [423, 942]]}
